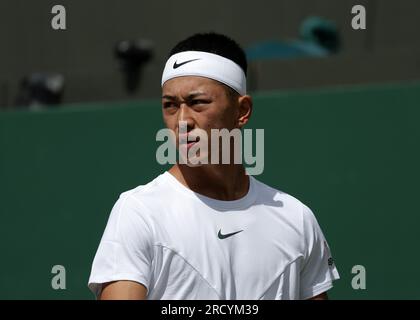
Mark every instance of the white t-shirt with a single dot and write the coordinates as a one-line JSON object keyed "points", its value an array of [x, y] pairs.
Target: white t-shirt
{"points": [[182, 245]]}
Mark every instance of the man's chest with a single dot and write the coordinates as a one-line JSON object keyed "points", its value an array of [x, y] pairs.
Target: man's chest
{"points": [[241, 251]]}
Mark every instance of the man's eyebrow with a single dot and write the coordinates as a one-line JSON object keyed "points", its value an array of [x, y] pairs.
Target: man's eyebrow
{"points": [[192, 95]]}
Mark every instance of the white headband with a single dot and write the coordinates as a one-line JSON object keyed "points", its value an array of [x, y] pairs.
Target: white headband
{"points": [[205, 64]]}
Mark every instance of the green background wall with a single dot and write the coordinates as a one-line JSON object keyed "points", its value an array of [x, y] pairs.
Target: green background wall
{"points": [[351, 154]]}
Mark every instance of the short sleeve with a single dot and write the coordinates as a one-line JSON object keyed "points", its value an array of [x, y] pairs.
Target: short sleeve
{"points": [[125, 251], [318, 268]]}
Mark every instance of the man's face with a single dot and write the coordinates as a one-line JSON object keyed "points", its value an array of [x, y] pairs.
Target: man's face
{"points": [[201, 102]]}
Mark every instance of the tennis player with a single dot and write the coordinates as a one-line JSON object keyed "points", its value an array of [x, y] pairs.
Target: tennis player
{"points": [[210, 231]]}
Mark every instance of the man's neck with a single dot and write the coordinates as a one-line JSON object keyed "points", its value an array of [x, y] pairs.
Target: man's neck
{"points": [[221, 182]]}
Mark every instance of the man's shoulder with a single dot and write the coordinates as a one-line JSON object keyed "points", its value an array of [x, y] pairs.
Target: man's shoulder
{"points": [[269, 194], [144, 195], [285, 204], [144, 189], [290, 207]]}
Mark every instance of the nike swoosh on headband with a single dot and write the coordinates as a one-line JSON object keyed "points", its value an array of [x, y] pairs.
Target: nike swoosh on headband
{"points": [[177, 65]]}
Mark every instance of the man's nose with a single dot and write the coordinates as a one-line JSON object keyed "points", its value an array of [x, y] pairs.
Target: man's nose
{"points": [[185, 114]]}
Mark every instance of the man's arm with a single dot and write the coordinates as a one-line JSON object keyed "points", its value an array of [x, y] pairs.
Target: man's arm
{"points": [[322, 296], [123, 290]]}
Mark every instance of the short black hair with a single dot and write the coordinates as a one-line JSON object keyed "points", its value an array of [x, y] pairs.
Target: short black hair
{"points": [[214, 43]]}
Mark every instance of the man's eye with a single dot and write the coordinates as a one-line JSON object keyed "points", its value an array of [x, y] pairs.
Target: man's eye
{"points": [[167, 105], [198, 101]]}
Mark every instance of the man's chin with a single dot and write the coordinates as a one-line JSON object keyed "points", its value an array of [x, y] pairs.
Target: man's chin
{"points": [[195, 161]]}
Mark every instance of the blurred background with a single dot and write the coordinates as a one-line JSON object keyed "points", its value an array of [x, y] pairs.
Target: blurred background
{"points": [[80, 108], [84, 54]]}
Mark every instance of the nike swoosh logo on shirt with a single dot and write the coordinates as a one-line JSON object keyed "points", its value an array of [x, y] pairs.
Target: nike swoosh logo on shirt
{"points": [[177, 65], [224, 236]]}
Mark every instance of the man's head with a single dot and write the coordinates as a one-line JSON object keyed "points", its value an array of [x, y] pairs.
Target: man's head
{"points": [[204, 84]]}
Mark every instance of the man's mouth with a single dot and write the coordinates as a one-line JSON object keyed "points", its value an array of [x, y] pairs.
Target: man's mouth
{"points": [[192, 141], [189, 140]]}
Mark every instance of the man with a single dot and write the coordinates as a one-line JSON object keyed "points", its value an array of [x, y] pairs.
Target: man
{"points": [[209, 231]]}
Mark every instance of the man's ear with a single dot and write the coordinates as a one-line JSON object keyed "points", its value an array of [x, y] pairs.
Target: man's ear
{"points": [[245, 110]]}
